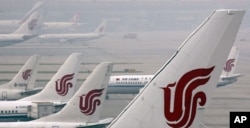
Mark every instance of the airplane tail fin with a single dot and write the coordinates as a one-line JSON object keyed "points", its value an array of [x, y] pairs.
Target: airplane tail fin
{"points": [[75, 18], [231, 62], [85, 105], [61, 86], [22, 80], [36, 7], [101, 28], [182, 88], [31, 25]]}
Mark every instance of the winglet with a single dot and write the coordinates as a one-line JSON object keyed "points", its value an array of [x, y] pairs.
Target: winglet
{"points": [[62, 85], [85, 105], [182, 88]]}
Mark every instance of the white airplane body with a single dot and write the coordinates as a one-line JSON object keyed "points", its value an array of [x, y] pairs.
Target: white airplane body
{"points": [[73, 23], [14, 109], [99, 32], [23, 83], [82, 110], [9, 39], [60, 25], [9, 23], [131, 84], [58, 90], [26, 31], [16, 23], [44, 25], [99, 124], [180, 91], [15, 94], [127, 84], [71, 37]]}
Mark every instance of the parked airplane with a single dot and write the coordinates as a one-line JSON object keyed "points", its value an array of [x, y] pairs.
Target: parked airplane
{"points": [[82, 110], [26, 31], [58, 90], [131, 84], [127, 84], [16, 23], [179, 92], [73, 23], [71, 37], [23, 83]]}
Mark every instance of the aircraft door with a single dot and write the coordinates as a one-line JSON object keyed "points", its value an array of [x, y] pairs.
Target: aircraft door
{"points": [[4, 95]]}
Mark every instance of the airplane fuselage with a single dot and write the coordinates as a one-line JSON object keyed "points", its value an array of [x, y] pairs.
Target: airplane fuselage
{"points": [[127, 84], [40, 124], [10, 94], [70, 37], [9, 39], [20, 108], [60, 25], [131, 84], [14, 108], [53, 124], [9, 23]]}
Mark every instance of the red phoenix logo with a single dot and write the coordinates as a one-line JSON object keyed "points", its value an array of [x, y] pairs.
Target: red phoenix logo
{"points": [[185, 102], [26, 74], [229, 65], [63, 84], [91, 101], [32, 24]]}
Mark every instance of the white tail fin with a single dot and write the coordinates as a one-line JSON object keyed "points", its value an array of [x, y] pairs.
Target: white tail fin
{"points": [[75, 18], [182, 88], [36, 7], [85, 105], [24, 76], [231, 62], [62, 85], [30, 26], [101, 28]]}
